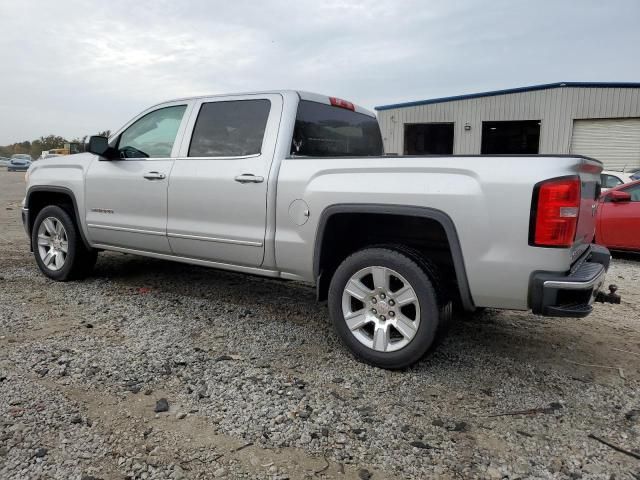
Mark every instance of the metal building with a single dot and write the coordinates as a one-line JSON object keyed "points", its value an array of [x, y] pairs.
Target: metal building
{"points": [[600, 120]]}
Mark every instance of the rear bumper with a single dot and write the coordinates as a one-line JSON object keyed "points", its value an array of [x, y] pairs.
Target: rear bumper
{"points": [[571, 294]]}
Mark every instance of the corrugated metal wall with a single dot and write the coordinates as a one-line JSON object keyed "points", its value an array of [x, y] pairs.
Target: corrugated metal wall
{"points": [[616, 142], [555, 107]]}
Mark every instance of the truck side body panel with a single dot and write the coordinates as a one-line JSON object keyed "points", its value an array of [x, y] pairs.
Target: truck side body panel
{"points": [[489, 206]]}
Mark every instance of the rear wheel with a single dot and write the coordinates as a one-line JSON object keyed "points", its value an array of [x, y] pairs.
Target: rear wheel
{"points": [[384, 307], [57, 246]]}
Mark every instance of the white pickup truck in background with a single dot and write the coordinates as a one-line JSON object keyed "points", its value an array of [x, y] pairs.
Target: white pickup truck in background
{"points": [[295, 185]]}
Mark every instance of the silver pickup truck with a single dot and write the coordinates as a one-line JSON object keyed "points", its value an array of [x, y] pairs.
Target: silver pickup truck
{"points": [[295, 185]]}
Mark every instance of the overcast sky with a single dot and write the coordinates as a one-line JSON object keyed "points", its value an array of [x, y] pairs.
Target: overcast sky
{"points": [[75, 67]]}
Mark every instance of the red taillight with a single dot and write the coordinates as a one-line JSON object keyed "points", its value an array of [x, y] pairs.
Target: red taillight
{"points": [[556, 212], [338, 102]]}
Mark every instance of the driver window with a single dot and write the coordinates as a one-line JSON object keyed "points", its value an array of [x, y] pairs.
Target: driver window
{"points": [[152, 135]]}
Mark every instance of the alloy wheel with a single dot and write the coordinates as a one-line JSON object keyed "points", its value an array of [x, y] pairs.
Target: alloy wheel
{"points": [[53, 243], [381, 309]]}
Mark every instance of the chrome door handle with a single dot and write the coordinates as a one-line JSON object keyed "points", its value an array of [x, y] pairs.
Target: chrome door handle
{"points": [[154, 176], [249, 178]]}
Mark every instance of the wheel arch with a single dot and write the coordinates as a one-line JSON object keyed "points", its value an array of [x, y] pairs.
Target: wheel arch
{"points": [[428, 214], [39, 196]]}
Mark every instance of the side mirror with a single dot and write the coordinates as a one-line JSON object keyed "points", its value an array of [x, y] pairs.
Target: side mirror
{"points": [[99, 146], [619, 196]]}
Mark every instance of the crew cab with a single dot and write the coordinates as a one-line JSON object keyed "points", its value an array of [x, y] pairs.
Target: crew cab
{"points": [[295, 186]]}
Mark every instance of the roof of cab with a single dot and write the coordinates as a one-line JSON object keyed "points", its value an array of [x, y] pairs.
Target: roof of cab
{"points": [[302, 94]]}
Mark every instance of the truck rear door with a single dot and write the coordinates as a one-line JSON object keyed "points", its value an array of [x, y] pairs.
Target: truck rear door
{"points": [[217, 196]]}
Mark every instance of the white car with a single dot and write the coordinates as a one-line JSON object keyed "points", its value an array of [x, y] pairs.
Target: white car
{"points": [[612, 179]]}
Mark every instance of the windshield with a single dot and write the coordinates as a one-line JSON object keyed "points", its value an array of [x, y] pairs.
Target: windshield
{"points": [[327, 131], [21, 156]]}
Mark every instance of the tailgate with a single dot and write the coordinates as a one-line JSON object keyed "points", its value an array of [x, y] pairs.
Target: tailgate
{"points": [[589, 192]]}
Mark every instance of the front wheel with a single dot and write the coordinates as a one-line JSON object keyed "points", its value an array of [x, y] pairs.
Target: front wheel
{"points": [[57, 246], [384, 307]]}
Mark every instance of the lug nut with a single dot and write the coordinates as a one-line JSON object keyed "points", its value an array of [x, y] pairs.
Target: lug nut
{"points": [[383, 318], [392, 314], [373, 300], [392, 303], [382, 295], [373, 310]]}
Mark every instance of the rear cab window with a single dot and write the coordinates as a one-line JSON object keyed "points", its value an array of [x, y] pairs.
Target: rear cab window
{"points": [[323, 130]]}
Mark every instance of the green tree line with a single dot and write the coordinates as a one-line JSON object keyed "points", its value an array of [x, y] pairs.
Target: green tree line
{"points": [[35, 147]]}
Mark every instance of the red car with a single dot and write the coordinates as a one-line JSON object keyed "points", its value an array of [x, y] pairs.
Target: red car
{"points": [[618, 218]]}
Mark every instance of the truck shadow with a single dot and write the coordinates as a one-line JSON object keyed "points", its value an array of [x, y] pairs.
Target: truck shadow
{"points": [[502, 341], [633, 256]]}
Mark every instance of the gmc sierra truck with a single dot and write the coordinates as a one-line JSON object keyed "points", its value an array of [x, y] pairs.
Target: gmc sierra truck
{"points": [[295, 185]]}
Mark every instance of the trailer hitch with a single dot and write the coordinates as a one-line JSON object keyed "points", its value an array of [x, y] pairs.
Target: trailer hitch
{"points": [[611, 297]]}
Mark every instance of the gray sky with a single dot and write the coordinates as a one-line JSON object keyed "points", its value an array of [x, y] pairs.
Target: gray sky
{"points": [[74, 67]]}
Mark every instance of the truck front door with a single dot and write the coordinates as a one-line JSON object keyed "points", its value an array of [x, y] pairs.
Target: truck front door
{"points": [[126, 198], [218, 187]]}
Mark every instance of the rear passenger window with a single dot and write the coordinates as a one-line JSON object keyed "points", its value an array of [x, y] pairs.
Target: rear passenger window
{"points": [[230, 129]]}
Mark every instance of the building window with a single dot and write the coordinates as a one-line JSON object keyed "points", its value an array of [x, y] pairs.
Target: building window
{"points": [[428, 139], [510, 137]]}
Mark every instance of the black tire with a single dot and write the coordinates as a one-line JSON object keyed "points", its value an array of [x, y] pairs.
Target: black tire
{"points": [[79, 261], [419, 279]]}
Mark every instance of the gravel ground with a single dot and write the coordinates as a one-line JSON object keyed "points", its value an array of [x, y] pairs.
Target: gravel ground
{"points": [[257, 385]]}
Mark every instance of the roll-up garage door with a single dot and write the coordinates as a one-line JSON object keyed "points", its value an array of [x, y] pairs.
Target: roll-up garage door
{"points": [[615, 142]]}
